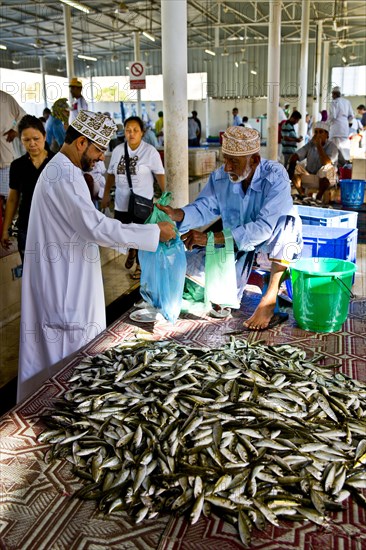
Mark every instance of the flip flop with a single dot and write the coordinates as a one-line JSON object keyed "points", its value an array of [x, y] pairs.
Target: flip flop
{"points": [[277, 319], [222, 313]]}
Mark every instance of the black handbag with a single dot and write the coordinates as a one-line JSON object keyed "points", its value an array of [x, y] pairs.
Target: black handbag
{"points": [[139, 207]]}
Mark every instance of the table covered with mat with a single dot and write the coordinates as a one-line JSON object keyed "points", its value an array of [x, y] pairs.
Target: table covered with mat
{"points": [[38, 507]]}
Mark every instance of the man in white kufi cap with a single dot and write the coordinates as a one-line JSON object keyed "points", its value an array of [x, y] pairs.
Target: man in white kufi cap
{"points": [[340, 116], [253, 198], [321, 156], [62, 294]]}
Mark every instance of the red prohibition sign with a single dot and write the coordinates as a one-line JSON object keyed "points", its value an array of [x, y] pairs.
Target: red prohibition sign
{"points": [[137, 69]]}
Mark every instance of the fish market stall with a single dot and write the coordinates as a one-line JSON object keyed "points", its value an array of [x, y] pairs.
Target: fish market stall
{"points": [[39, 506]]}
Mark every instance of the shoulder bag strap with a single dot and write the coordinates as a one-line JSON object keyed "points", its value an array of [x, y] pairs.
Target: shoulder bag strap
{"points": [[127, 165]]}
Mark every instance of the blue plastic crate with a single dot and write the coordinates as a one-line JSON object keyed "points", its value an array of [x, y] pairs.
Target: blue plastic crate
{"points": [[327, 242], [313, 215]]}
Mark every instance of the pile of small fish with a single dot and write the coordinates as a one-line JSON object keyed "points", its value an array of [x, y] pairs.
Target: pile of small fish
{"points": [[257, 433]]}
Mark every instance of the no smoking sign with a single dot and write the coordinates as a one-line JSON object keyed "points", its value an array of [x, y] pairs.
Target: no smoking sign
{"points": [[137, 75]]}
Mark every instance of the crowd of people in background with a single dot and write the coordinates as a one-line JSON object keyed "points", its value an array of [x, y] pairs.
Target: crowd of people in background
{"points": [[327, 143]]}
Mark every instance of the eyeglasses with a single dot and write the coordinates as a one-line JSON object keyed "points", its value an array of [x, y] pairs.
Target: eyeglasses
{"points": [[101, 149]]}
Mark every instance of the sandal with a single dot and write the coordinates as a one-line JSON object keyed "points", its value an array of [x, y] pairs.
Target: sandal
{"points": [[136, 274], [220, 312]]}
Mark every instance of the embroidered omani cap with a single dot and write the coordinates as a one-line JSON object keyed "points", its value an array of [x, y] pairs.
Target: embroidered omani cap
{"points": [[75, 82], [322, 125], [96, 127], [239, 141]]}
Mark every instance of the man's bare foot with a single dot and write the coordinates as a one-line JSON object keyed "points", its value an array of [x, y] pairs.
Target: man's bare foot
{"points": [[261, 317]]}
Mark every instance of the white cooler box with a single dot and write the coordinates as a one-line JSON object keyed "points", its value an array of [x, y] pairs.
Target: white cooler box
{"points": [[201, 162]]}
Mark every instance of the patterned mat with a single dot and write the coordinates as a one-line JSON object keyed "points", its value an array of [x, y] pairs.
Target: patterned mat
{"points": [[39, 512]]}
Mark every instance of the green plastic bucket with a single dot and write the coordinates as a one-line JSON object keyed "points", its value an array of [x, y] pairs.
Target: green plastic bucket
{"points": [[321, 293]]}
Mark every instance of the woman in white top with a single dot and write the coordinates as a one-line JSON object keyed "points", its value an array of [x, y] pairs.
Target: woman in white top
{"points": [[145, 164]]}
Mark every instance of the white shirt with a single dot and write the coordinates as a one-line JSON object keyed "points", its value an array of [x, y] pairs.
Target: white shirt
{"points": [[145, 161], [193, 129], [77, 105], [11, 115], [98, 178], [62, 288], [340, 115]]}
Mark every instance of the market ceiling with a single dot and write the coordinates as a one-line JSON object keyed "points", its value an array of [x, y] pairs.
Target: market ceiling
{"points": [[104, 30]]}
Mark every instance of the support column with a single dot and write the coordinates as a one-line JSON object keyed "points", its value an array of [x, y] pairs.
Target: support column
{"points": [[174, 58], [44, 89], [207, 113], [68, 42], [273, 92], [91, 89], [137, 57], [318, 63], [303, 71], [325, 76]]}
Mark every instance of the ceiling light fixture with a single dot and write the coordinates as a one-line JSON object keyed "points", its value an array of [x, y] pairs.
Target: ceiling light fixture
{"points": [[344, 59], [77, 5], [352, 56], [149, 36], [3, 47], [236, 38], [236, 64], [87, 57], [210, 52], [253, 71]]}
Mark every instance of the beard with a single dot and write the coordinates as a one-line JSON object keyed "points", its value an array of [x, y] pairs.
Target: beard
{"points": [[87, 163], [246, 173]]}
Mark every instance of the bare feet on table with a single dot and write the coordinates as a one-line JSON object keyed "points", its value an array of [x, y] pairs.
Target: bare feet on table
{"points": [[260, 318]]}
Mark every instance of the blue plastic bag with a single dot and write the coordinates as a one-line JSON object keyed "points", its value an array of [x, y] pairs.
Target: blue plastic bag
{"points": [[163, 272]]}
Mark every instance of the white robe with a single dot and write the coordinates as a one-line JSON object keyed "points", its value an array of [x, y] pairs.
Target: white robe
{"points": [[62, 291]]}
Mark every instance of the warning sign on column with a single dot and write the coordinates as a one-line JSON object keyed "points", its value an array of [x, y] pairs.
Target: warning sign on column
{"points": [[137, 75]]}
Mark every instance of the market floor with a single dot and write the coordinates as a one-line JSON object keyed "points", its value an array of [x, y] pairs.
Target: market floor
{"points": [[120, 293]]}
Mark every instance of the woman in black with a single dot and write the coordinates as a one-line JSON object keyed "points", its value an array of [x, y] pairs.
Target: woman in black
{"points": [[24, 173]]}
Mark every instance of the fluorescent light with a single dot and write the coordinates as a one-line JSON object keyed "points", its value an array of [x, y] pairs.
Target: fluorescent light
{"points": [[149, 36], [253, 71], [210, 52], [77, 5], [2, 47], [87, 57]]}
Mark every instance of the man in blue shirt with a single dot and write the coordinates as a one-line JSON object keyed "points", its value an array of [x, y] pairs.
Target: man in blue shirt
{"points": [[253, 198], [237, 121]]}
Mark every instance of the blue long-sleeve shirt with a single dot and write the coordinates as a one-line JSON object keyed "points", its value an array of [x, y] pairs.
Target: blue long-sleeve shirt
{"points": [[256, 217], [55, 131]]}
